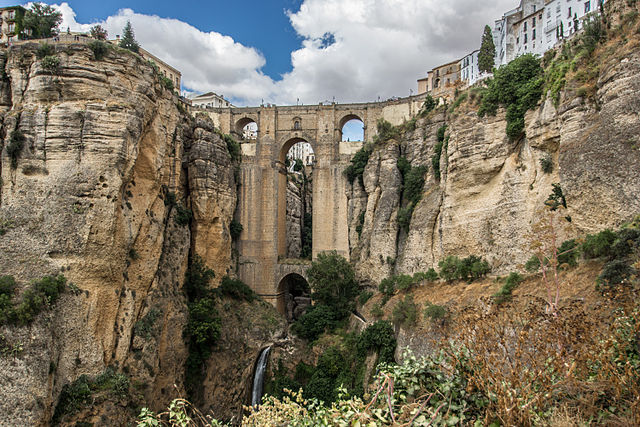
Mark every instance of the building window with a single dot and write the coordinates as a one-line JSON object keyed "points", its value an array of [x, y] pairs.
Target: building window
{"points": [[549, 13], [569, 16], [12, 27], [533, 35], [296, 125], [587, 7], [525, 26], [12, 14], [525, 38], [533, 22], [534, 7], [517, 40]]}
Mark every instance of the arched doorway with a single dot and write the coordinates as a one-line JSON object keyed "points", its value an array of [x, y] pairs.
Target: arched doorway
{"points": [[295, 203], [352, 129], [294, 296], [247, 128]]}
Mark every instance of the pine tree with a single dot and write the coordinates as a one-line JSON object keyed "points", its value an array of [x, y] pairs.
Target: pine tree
{"points": [[487, 54], [128, 40]]}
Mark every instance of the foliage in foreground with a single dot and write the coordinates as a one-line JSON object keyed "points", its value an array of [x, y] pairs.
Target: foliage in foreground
{"points": [[506, 368]]}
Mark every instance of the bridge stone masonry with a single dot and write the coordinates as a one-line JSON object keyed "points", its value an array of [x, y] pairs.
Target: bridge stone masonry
{"points": [[263, 180]]}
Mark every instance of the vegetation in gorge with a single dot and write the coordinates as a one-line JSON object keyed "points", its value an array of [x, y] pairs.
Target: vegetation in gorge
{"points": [[437, 150], [517, 87], [411, 190], [41, 295]]}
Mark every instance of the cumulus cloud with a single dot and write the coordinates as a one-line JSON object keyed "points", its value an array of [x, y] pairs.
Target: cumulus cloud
{"points": [[353, 50]]}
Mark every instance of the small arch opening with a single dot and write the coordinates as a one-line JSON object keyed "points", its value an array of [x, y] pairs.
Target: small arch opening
{"points": [[247, 128], [352, 129], [294, 296]]}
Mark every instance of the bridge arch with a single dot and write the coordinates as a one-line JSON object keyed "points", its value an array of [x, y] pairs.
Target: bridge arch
{"points": [[347, 121], [243, 128], [294, 295]]}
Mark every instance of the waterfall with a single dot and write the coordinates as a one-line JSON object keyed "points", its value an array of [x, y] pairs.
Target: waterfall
{"points": [[258, 377]]}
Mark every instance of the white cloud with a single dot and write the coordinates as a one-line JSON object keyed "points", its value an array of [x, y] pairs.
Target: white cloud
{"points": [[381, 48]]}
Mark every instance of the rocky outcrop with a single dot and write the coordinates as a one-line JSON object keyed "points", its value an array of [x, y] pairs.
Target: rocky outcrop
{"points": [[102, 192], [492, 189], [294, 220]]}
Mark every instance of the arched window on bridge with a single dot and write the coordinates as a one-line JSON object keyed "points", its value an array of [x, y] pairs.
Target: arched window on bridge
{"points": [[247, 128], [353, 130]]}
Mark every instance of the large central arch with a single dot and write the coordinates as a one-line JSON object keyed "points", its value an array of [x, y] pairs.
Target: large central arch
{"points": [[294, 295], [282, 193]]}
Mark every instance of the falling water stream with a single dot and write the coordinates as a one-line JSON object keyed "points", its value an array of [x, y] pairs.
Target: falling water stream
{"points": [[258, 378]]}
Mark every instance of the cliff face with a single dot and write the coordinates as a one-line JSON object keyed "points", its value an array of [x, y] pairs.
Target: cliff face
{"points": [[492, 188], [99, 194]]}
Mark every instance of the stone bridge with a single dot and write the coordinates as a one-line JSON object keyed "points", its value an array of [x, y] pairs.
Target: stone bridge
{"points": [[263, 180]]}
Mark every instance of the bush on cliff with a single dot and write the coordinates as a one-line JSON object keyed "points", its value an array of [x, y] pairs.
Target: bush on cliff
{"points": [[358, 163], [39, 296], [517, 87], [333, 283]]}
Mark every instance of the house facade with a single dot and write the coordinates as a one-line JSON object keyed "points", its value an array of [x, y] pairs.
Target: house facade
{"points": [[210, 99], [11, 24]]}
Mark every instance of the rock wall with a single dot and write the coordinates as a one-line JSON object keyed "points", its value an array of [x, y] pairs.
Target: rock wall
{"points": [[295, 213], [492, 189], [109, 168]]}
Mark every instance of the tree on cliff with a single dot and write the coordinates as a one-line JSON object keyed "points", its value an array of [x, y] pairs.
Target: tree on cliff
{"points": [[128, 40], [333, 282], [487, 54], [42, 21], [98, 32]]}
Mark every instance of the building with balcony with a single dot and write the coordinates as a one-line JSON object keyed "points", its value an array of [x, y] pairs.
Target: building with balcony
{"points": [[11, 24]]}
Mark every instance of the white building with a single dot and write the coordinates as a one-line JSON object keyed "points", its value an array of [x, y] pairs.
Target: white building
{"points": [[469, 72], [210, 99], [302, 151], [536, 26]]}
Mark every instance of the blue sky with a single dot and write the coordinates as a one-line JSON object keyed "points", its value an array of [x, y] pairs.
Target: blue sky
{"points": [[288, 51]]}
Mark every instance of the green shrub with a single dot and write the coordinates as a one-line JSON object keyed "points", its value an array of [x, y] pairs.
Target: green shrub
{"points": [[235, 229], [428, 105], [41, 295], [165, 82], [434, 312], [413, 184], [546, 164], [7, 285], [376, 311], [437, 151], [45, 49], [568, 253], [358, 163], [364, 297], [360, 223], [459, 100], [430, 276], [14, 148], [197, 278], [386, 132], [449, 268], [74, 396], [145, 327], [183, 215], [556, 198], [379, 337], [235, 151], [404, 282], [236, 289], [99, 49], [517, 87], [469, 268], [51, 64], [204, 323], [314, 322], [598, 245], [404, 216], [627, 240], [405, 312], [333, 282], [615, 272], [112, 381], [533, 264], [593, 33], [504, 294]]}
